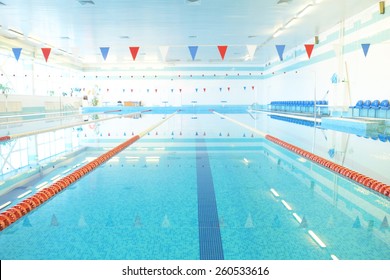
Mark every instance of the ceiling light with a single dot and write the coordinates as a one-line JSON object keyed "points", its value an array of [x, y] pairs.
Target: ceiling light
{"points": [[286, 205], [35, 40], [299, 219], [5, 204], [317, 239], [15, 32], [305, 10], [291, 22], [275, 193], [277, 32], [335, 258]]}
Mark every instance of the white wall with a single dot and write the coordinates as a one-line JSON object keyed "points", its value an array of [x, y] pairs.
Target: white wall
{"points": [[298, 77]]}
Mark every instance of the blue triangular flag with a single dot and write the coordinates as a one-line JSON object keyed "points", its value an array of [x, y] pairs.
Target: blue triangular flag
{"points": [[104, 51], [17, 52], [276, 222], [365, 48], [54, 221], [331, 153], [26, 222], [193, 50], [356, 224], [280, 49], [385, 223]]}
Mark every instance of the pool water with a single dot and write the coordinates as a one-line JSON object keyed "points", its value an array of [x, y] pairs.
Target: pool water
{"points": [[204, 198]]}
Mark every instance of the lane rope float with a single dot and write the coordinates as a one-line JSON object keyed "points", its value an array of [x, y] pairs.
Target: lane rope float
{"points": [[14, 213]]}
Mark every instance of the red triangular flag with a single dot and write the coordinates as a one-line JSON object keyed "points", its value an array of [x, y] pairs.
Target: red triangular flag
{"points": [[222, 51], [134, 51], [309, 49], [46, 53]]}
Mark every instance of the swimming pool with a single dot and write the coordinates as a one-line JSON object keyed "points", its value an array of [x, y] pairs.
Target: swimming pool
{"points": [[204, 188]]}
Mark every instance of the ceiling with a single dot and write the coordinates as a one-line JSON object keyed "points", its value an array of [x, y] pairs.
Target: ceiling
{"points": [[79, 28]]}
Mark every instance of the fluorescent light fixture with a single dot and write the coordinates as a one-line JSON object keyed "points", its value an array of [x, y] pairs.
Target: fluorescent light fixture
{"points": [[291, 22], [334, 257], [66, 171], [142, 149], [286, 205], [246, 161], [35, 40], [274, 193], [5, 204], [277, 32], [305, 11], [299, 219], [317, 239], [127, 157], [24, 194], [16, 32], [159, 149], [41, 185], [55, 177]]}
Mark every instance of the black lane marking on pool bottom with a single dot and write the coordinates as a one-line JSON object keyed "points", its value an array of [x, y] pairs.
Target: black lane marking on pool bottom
{"points": [[210, 242]]}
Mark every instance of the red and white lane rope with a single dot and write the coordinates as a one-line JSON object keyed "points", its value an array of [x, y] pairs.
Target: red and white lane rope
{"points": [[14, 213]]}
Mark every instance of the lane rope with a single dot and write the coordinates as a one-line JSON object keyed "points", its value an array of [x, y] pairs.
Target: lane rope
{"points": [[16, 212], [355, 176]]}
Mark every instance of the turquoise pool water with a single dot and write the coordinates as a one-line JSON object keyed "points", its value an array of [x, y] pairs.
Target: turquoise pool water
{"points": [[143, 204], [203, 197]]}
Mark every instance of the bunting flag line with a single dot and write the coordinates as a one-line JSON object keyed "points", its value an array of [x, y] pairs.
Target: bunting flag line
{"points": [[309, 49], [17, 52], [193, 51], [222, 51], [280, 49], [104, 51], [46, 53], [134, 52], [365, 48]]}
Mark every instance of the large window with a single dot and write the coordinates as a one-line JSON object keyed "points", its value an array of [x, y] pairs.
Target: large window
{"points": [[50, 144], [14, 155]]}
